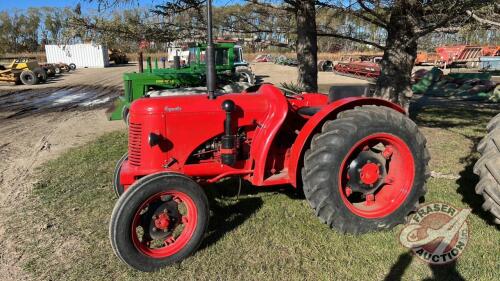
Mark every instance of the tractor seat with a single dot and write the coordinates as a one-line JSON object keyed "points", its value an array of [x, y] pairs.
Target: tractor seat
{"points": [[338, 92]]}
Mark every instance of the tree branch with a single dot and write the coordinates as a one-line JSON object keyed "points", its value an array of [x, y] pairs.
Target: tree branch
{"points": [[374, 20], [482, 20], [336, 35], [372, 12]]}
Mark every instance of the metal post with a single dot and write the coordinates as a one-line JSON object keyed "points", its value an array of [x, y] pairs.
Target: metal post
{"points": [[210, 54], [141, 63]]}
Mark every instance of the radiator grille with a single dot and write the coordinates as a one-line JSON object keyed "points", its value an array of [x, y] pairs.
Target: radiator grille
{"points": [[134, 144]]}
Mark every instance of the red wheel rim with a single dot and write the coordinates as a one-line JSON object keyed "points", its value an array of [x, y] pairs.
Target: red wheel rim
{"points": [[173, 243], [396, 183]]}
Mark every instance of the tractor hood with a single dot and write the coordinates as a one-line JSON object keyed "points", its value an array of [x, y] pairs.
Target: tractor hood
{"points": [[258, 101]]}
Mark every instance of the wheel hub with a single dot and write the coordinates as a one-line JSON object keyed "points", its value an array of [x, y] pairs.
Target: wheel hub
{"points": [[161, 219], [367, 172]]}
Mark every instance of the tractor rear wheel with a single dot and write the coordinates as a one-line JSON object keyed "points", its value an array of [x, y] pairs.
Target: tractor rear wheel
{"points": [[28, 77], [488, 169], [366, 170], [160, 220], [117, 187]]}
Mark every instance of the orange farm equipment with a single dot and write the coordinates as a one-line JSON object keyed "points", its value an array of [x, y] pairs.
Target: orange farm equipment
{"points": [[426, 58], [463, 55], [359, 69]]}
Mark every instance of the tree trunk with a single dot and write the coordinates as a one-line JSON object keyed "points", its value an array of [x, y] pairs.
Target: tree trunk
{"points": [[394, 83], [307, 45]]}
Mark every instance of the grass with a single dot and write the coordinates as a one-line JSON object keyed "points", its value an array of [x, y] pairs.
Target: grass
{"points": [[266, 235]]}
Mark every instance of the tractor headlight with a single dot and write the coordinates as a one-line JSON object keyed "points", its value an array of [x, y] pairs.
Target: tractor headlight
{"points": [[153, 139]]}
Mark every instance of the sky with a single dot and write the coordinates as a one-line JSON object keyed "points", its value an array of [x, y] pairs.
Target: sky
{"points": [[9, 5], [23, 4]]}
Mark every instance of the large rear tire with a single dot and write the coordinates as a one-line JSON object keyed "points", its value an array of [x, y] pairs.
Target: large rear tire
{"points": [[488, 169], [28, 77], [366, 170], [160, 220]]}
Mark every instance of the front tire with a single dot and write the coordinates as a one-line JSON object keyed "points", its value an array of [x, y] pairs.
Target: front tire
{"points": [[366, 170], [160, 220], [117, 187]]}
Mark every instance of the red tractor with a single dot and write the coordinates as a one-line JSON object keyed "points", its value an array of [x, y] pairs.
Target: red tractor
{"points": [[361, 162]]}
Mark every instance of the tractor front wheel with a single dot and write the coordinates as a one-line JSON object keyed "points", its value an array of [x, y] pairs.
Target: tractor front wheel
{"points": [[117, 187], [366, 170], [160, 220]]}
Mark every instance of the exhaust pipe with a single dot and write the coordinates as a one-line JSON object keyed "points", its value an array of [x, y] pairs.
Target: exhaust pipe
{"points": [[210, 55]]}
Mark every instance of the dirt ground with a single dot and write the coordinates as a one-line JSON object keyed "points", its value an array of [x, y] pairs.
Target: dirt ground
{"points": [[38, 123]]}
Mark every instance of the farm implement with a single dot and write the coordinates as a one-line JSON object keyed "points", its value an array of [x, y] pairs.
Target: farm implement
{"points": [[23, 70], [361, 162], [230, 68], [360, 69], [463, 55]]}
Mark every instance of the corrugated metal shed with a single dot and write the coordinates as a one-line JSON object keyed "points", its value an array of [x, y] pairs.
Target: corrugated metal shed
{"points": [[83, 55]]}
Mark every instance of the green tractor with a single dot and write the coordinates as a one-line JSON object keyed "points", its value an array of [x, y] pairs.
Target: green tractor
{"points": [[189, 72]]}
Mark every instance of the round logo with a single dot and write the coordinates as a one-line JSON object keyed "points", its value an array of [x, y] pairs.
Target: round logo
{"points": [[437, 233]]}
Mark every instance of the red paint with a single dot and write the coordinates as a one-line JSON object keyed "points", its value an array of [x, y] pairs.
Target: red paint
{"points": [[464, 53], [275, 134], [399, 179], [314, 124], [365, 69], [172, 245], [369, 173], [162, 222]]}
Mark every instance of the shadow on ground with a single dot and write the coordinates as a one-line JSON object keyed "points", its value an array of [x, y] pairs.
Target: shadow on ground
{"points": [[439, 272], [469, 119]]}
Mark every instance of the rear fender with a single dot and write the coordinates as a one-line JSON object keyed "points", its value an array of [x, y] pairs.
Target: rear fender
{"points": [[314, 124]]}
